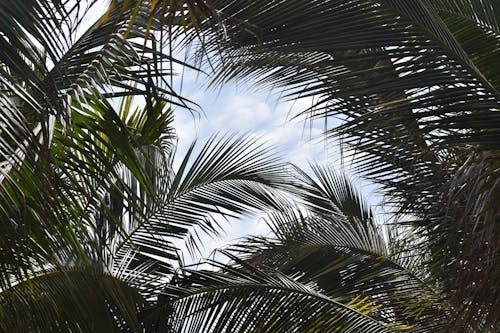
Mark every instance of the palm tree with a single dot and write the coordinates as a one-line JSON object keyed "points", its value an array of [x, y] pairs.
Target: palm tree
{"points": [[415, 86], [48, 67], [90, 203], [129, 251], [328, 268]]}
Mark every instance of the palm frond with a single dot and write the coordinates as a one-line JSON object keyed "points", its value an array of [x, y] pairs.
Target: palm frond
{"points": [[55, 168], [116, 165], [243, 299], [343, 252], [482, 12], [72, 300], [414, 95], [345, 262], [230, 176], [330, 192]]}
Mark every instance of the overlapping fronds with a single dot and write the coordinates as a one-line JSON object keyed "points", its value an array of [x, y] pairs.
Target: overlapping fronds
{"points": [[243, 299], [114, 165], [74, 300], [346, 256], [345, 262], [55, 159], [331, 193], [229, 176], [415, 85], [91, 205]]}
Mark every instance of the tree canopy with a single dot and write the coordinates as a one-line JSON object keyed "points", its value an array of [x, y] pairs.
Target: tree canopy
{"points": [[93, 208]]}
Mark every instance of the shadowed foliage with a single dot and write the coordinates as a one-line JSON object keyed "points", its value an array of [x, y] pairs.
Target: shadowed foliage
{"points": [[96, 205]]}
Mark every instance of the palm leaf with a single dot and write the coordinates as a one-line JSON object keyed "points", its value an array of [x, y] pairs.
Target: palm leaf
{"points": [[336, 245], [243, 299], [55, 168], [72, 300], [347, 262], [230, 176], [413, 92], [331, 193]]}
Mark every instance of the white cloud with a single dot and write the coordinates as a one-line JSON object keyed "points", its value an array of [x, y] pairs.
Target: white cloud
{"points": [[233, 110], [239, 113]]}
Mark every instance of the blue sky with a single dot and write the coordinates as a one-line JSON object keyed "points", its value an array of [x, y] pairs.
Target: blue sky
{"points": [[236, 107]]}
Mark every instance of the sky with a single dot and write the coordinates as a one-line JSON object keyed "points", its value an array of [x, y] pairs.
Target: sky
{"points": [[237, 108]]}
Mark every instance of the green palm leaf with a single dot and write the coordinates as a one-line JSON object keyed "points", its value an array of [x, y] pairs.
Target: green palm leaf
{"points": [[230, 176], [344, 253], [243, 299], [416, 96], [72, 300]]}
